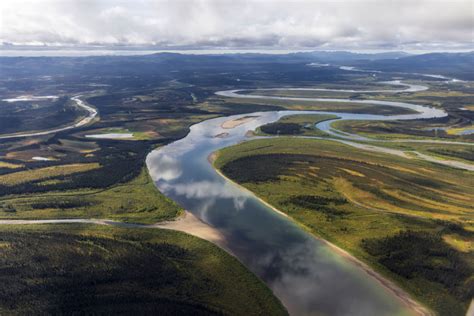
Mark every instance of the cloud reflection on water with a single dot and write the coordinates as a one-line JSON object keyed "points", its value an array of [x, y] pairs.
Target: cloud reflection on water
{"points": [[319, 281], [163, 167]]}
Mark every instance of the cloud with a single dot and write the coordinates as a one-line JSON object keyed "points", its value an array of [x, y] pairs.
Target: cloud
{"points": [[280, 24], [163, 167]]}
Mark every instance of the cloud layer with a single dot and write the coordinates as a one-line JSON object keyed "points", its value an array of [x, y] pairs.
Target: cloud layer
{"points": [[282, 24]]}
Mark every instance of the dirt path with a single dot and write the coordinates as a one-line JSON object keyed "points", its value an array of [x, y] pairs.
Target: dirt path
{"points": [[187, 223]]}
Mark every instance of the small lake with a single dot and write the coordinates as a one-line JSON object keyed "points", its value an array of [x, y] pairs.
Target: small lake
{"points": [[111, 136]]}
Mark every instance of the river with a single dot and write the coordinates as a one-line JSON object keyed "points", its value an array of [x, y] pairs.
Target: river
{"points": [[308, 275]]}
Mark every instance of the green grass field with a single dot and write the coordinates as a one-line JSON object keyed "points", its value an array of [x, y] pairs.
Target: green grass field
{"points": [[45, 173], [136, 201], [85, 269], [460, 152], [409, 219], [400, 130]]}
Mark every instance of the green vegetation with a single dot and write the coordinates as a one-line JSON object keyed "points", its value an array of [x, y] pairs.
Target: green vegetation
{"points": [[400, 130], [355, 85], [302, 125], [272, 104], [445, 151], [114, 162], [135, 201], [45, 173], [423, 255], [411, 220], [9, 165], [84, 269], [461, 130]]}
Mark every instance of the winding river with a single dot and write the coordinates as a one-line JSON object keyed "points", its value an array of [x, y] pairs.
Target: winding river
{"points": [[309, 275]]}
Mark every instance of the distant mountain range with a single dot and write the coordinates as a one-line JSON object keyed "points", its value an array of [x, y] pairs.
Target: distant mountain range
{"points": [[457, 65], [460, 65], [338, 56]]}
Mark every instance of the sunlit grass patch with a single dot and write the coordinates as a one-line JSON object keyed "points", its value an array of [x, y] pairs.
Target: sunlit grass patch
{"points": [[9, 165], [460, 243], [461, 130], [45, 173], [135, 201], [352, 172]]}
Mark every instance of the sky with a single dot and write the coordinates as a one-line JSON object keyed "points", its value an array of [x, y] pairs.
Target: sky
{"points": [[241, 24]]}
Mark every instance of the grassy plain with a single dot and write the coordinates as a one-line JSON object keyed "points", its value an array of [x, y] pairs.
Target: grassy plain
{"points": [[45, 173], [271, 104], [459, 152], [84, 269], [9, 165], [409, 219], [136, 201], [400, 130]]}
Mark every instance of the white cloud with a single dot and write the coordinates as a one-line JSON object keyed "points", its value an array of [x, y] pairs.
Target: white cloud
{"points": [[282, 24]]}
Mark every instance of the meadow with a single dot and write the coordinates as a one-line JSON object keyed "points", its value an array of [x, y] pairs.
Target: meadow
{"points": [[42, 174], [461, 152], [136, 201], [416, 129], [271, 104], [411, 220]]}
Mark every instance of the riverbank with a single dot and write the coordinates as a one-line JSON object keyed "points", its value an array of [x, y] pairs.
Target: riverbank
{"points": [[190, 224], [212, 158]]}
